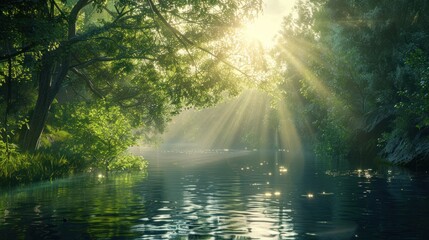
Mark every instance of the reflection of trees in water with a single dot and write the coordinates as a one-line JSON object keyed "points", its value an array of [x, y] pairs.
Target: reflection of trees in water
{"points": [[225, 198], [83, 207]]}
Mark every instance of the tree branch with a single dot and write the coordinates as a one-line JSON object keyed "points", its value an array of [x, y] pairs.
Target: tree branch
{"points": [[74, 15], [17, 52], [109, 59], [88, 82], [59, 9], [184, 40]]}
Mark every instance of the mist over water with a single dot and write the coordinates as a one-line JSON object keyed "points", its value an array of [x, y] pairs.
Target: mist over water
{"points": [[247, 122]]}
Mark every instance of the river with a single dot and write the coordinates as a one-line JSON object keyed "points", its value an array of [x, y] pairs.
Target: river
{"points": [[224, 194]]}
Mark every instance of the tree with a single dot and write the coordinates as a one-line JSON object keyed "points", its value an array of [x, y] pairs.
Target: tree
{"points": [[353, 71], [99, 133], [149, 57]]}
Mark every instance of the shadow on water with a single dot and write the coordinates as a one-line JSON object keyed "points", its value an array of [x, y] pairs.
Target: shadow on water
{"points": [[224, 194]]}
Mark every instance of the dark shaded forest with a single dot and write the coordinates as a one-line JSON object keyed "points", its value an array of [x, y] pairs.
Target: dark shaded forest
{"points": [[355, 76]]}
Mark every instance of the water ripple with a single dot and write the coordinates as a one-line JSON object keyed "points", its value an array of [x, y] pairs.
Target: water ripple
{"points": [[259, 197]]}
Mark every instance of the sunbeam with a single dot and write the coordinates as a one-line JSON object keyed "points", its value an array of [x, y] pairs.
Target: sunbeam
{"points": [[310, 77], [287, 132], [246, 122]]}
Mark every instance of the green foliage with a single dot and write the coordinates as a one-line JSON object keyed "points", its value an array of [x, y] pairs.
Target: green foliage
{"points": [[357, 73], [18, 167], [23, 167], [333, 140], [408, 141], [90, 146], [99, 133], [128, 162], [415, 99], [10, 160]]}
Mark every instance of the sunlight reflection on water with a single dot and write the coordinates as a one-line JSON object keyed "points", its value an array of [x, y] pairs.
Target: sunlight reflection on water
{"points": [[223, 198]]}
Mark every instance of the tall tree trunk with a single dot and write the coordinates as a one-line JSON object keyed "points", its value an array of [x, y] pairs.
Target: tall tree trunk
{"points": [[53, 71], [50, 78], [40, 112]]}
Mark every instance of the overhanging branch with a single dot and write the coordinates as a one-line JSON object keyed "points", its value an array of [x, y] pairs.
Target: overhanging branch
{"points": [[109, 59], [88, 82], [186, 41], [15, 53]]}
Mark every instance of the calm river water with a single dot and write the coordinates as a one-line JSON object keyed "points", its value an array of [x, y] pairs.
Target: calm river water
{"points": [[224, 195]]}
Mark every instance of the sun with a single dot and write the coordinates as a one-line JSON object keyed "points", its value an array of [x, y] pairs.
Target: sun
{"points": [[264, 28], [260, 31]]}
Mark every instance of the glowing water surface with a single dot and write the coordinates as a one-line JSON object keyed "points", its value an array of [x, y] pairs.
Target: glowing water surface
{"points": [[224, 195]]}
